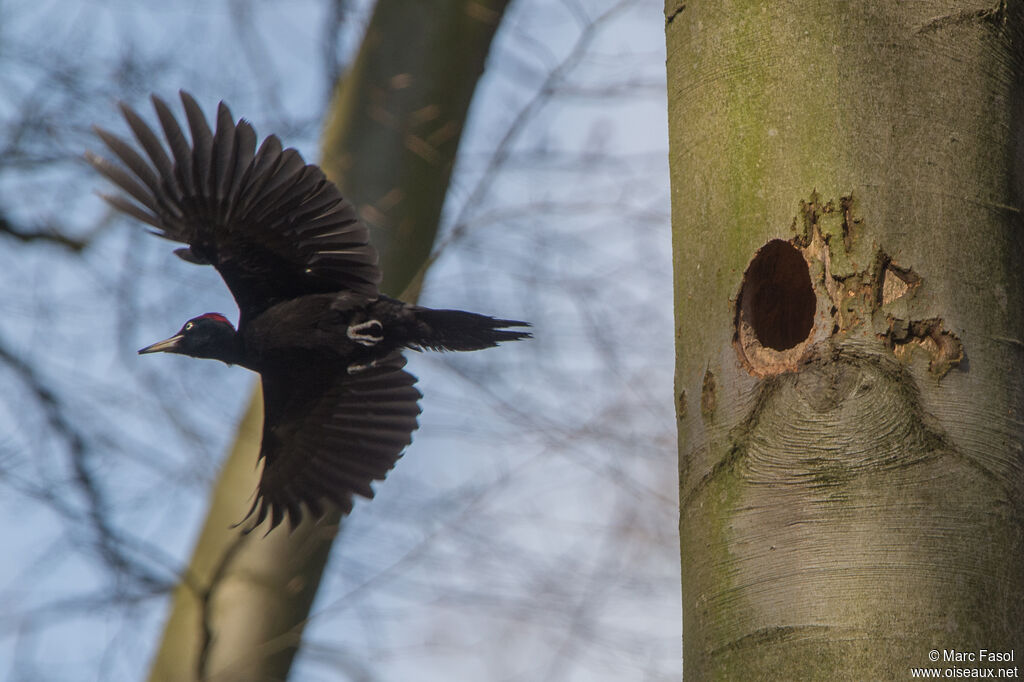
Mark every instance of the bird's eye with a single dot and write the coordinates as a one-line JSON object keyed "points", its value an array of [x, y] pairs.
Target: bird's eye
{"points": [[189, 325]]}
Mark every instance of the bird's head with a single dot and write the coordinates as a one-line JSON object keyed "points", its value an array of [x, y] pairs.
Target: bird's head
{"points": [[207, 336]]}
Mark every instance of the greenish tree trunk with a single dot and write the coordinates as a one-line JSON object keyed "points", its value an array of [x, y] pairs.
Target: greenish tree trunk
{"points": [[849, 289], [390, 143]]}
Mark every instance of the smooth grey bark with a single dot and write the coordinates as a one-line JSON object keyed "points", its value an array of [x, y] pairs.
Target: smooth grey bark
{"points": [[847, 242]]}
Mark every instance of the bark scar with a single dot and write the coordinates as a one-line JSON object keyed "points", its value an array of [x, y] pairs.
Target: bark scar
{"points": [[708, 396], [669, 18], [867, 289], [943, 346], [995, 15]]}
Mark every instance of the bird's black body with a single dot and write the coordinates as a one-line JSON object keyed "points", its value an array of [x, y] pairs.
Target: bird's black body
{"points": [[339, 408]]}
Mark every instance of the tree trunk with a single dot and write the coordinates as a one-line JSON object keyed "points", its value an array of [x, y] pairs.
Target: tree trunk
{"points": [[850, 346], [394, 129]]}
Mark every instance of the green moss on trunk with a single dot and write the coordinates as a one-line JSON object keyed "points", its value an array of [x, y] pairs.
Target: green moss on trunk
{"points": [[854, 500]]}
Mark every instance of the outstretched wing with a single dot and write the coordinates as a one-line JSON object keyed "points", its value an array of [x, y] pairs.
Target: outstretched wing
{"points": [[328, 435], [273, 226]]}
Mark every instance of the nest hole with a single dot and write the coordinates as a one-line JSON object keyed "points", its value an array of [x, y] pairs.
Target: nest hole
{"points": [[776, 298]]}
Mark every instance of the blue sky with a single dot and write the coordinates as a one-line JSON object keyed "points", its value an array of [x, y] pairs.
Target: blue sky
{"points": [[531, 527]]}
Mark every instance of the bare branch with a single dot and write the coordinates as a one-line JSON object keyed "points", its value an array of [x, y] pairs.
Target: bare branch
{"points": [[49, 236]]}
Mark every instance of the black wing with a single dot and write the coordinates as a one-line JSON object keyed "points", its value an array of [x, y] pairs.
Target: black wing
{"points": [[273, 226], [328, 435]]}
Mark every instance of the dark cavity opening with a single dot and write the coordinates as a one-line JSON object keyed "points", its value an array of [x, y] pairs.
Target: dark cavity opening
{"points": [[777, 299]]}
